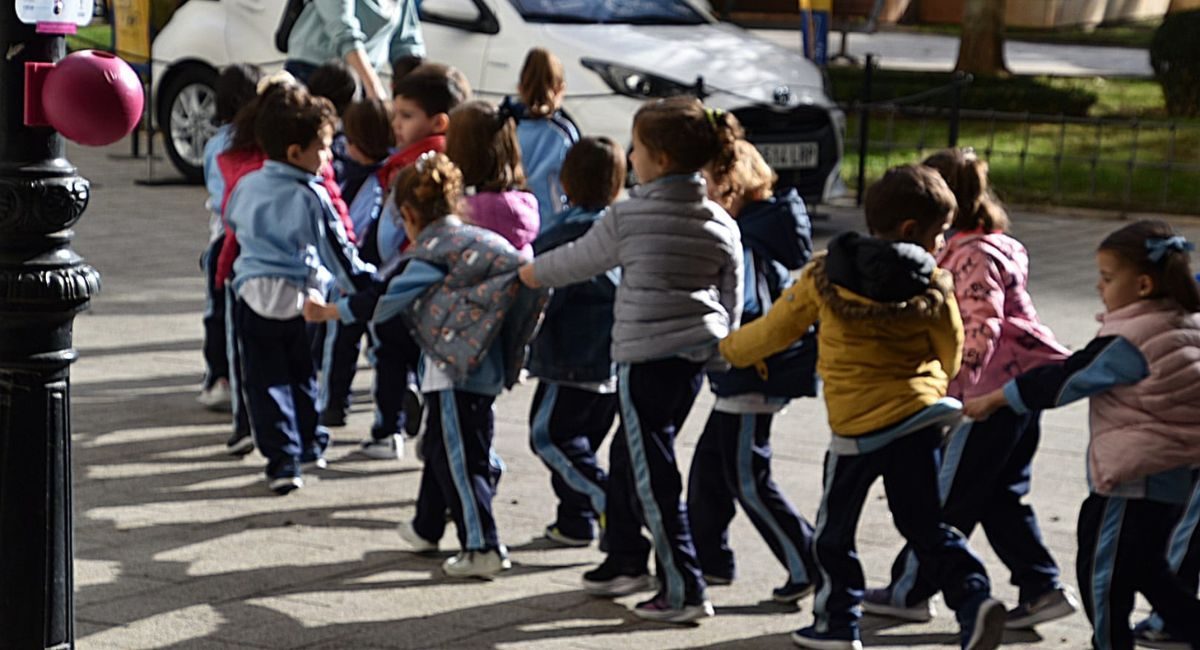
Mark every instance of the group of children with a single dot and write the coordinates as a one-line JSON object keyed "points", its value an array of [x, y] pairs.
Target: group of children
{"points": [[416, 225]]}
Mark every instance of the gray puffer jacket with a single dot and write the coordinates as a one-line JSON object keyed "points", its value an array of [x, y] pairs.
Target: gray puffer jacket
{"points": [[681, 262]]}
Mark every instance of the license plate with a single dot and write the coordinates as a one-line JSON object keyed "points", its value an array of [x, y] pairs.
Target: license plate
{"points": [[789, 155]]}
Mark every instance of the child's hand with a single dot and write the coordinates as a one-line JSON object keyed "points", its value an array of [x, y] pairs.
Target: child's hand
{"points": [[318, 311], [528, 277], [981, 407]]}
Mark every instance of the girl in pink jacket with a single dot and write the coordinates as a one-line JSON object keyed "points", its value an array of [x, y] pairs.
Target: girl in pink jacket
{"points": [[1142, 373], [986, 470], [482, 141]]}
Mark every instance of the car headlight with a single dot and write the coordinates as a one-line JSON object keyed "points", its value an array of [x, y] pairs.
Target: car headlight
{"points": [[632, 82]]}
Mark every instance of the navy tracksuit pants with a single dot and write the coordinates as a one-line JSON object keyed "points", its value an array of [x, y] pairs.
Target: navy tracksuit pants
{"points": [[909, 467], [395, 356], [281, 389], [644, 485], [339, 364], [241, 412], [566, 426], [985, 474], [216, 357], [732, 463], [1122, 551], [459, 473], [1183, 553]]}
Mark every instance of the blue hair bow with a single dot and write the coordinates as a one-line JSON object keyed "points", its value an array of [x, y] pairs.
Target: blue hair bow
{"points": [[1157, 248]]}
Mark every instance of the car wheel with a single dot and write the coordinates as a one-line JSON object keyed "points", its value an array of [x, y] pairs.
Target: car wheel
{"points": [[187, 118]]}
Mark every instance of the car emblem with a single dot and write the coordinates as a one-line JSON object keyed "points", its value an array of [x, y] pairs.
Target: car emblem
{"points": [[783, 95]]}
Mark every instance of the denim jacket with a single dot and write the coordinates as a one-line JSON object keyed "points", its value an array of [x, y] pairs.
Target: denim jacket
{"points": [[575, 339]]}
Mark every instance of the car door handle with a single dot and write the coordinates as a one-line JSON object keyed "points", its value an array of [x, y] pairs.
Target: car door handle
{"points": [[252, 6]]}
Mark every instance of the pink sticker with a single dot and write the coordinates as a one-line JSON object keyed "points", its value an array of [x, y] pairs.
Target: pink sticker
{"points": [[61, 29]]}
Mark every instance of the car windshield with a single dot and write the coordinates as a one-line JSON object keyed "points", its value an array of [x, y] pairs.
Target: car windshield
{"points": [[633, 12]]}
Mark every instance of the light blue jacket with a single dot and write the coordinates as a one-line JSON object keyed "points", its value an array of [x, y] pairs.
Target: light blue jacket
{"points": [[544, 144], [214, 182], [287, 228], [329, 29]]}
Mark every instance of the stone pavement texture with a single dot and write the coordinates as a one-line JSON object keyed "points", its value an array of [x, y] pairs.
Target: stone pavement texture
{"points": [[935, 52], [180, 546]]}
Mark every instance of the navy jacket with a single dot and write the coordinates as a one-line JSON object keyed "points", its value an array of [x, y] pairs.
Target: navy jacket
{"points": [[576, 336], [777, 239]]}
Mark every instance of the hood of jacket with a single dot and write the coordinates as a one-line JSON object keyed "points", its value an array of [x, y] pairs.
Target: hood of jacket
{"points": [[778, 229], [880, 279]]}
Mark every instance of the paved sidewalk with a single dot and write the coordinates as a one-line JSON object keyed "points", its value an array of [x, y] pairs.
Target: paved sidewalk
{"points": [[180, 546], [935, 52]]}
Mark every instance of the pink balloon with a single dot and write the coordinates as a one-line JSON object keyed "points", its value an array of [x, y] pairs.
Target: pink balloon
{"points": [[93, 98]]}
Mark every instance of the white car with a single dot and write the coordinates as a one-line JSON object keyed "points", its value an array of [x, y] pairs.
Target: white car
{"points": [[617, 54]]}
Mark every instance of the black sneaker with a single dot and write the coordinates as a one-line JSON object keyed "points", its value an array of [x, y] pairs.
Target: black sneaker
{"points": [[982, 624], [792, 592], [1053, 604], [333, 418], [610, 580], [1149, 634], [239, 444], [414, 406]]}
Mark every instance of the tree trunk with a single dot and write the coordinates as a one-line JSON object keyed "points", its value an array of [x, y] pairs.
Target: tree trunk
{"points": [[981, 48]]}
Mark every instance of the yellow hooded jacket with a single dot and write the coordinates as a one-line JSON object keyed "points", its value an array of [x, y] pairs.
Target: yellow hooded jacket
{"points": [[881, 362]]}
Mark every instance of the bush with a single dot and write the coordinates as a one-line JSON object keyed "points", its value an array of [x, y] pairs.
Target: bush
{"points": [[1175, 57], [1011, 94]]}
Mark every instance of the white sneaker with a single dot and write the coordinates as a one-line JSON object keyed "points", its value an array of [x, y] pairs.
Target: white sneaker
{"points": [[285, 484], [474, 564], [417, 543], [319, 463], [217, 397], [389, 448]]}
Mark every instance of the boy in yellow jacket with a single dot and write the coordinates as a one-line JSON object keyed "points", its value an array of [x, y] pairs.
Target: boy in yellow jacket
{"points": [[890, 341]]}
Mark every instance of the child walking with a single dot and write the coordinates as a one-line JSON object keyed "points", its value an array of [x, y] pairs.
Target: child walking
{"points": [[287, 228], [482, 141], [732, 461], [544, 131], [680, 292], [1142, 376], [576, 399], [472, 349], [235, 88], [988, 465], [890, 340]]}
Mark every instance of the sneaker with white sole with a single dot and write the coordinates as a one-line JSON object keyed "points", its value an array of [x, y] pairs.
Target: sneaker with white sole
{"points": [[239, 444], [474, 564], [982, 624], [317, 463], [809, 637], [416, 543], [389, 448], [217, 397], [285, 484], [555, 535], [1053, 604], [658, 609], [609, 580], [1149, 633], [879, 602], [792, 592]]}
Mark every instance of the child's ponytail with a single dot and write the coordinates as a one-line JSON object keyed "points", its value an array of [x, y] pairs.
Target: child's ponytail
{"points": [[482, 141], [1156, 250], [691, 136], [431, 187], [542, 82], [967, 177]]}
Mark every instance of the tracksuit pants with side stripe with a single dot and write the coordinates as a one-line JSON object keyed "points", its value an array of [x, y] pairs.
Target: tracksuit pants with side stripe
{"points": [[459, 473], [644, 482], [395, 356], [909, 467], [241, 412], [1183, 554], [339, 364], [216, 357], [985, 474], [566, 426], [281, 390], [732, 462], [1122, 551]]}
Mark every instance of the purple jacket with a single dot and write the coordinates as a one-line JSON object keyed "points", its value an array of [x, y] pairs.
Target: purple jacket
{"points": [[1003, 336], [512, 215]]}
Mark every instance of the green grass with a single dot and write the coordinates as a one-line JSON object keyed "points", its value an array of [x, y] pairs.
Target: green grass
{"points": [[1137, 35], [1092, 173], [92, 37]]}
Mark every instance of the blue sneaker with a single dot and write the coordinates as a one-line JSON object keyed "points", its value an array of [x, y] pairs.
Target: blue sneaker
{"points": [[809, 637], [982, 623]]}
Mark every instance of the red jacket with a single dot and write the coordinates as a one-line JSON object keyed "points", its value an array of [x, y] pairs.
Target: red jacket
{"points": [[408, 156], [236, 164]]}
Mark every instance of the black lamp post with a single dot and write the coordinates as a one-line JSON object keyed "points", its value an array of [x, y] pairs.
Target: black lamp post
{"points": [[43, 284]]}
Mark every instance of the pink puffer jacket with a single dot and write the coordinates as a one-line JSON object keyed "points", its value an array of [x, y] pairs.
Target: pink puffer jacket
{"points": [[512, 215], [1153, 425], [1002, 334]]}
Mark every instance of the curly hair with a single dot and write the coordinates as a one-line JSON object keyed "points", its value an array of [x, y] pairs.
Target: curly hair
{"points": [[431, 188]]}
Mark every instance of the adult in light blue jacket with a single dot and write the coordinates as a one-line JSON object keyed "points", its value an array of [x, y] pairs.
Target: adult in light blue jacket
{"points": [[367, 34]]}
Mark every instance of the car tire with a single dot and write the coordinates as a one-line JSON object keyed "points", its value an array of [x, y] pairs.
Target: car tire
{"points": [[187, 117]]}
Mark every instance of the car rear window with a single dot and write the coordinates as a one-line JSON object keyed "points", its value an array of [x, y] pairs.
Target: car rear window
{"points": [[633, 12]]}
